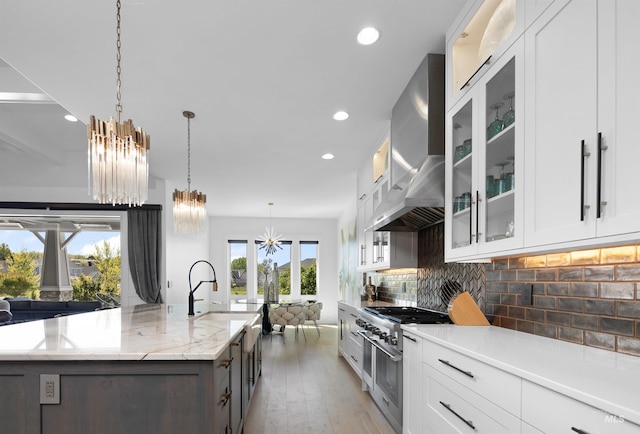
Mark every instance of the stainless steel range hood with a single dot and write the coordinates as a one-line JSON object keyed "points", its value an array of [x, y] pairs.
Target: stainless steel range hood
{"points": [[416, 198]]}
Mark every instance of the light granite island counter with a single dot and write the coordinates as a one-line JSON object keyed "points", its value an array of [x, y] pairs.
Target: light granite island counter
{"points": [[139, 369]]}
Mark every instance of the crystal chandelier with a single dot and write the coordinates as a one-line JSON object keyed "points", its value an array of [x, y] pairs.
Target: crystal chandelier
{"points": [[189, 210], [270, 241], [118, 165]]}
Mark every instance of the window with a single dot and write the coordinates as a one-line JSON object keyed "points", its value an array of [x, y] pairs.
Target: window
{"points": [[238, 268], [274, 271], [308, 264]]}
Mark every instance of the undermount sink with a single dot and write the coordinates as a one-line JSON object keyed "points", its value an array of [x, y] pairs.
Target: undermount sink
{"points": [[252, 326]]}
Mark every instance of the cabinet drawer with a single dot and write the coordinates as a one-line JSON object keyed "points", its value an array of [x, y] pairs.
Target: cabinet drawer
{"points": [[499, 387], [552, 412], [451, 408]]}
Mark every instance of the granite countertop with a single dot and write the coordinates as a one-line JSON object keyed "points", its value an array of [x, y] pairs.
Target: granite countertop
{"points": [[143, 332], [604, 379]]}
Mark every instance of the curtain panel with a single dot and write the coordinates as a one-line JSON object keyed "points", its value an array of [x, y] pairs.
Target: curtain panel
{"points": [[144, 243]]}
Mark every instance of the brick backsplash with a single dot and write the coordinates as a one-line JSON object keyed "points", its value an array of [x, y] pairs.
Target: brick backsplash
{"points": [[589, 297]]}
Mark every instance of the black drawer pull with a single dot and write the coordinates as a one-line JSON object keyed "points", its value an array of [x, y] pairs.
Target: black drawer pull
{"points": [[468, 422], [446, 362], [410, 338], [578, 430]]}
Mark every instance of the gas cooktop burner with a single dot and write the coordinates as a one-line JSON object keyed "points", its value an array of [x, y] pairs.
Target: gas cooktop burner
{"points": [[409, 315]]}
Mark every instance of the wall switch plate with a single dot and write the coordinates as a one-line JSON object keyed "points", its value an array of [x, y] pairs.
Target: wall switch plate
{"points": [[49, 389]]}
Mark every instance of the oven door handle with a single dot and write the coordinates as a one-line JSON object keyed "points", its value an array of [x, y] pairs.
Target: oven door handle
{"points": [[392, 357]]}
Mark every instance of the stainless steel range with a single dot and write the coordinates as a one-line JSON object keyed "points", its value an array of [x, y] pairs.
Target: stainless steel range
{"points": [[380, 328]]}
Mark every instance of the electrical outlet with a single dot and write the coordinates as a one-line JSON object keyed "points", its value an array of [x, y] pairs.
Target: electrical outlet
{"points": [[49, 389]]}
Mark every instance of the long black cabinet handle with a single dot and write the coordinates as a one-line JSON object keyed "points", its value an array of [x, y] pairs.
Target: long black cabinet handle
{"points": [[599, 202], [468, 422], [477, 216], [470, 224], [583, 155], [446, 362], [410, 338], [578, 430]]}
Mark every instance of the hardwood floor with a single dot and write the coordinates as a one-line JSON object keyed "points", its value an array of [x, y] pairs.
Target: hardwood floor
{"points": [[306, 388]]}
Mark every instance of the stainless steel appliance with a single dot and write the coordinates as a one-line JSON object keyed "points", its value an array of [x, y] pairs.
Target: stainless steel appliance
{"points": [[380, 328]]}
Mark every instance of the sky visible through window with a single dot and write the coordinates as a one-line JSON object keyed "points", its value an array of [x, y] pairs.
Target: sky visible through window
{"points": [[83, 244]]}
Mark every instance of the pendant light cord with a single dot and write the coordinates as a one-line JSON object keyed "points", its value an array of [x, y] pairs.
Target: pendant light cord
{"points": [[118, 69], [188, 155]]}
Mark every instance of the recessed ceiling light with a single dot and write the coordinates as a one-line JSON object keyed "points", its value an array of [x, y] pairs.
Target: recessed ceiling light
{"points": [[328, 156], [341, 115], [368, 36], [71, 118]]}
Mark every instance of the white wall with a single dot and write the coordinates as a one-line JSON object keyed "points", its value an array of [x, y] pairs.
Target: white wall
{"points": [[223, 229]]}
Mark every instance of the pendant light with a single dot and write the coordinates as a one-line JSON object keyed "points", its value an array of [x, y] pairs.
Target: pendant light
{"points": [[189, 210], [118, 165], [270, 241]]}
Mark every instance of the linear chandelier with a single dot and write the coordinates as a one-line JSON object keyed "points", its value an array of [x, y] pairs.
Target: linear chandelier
{"points": [[118, 165], [270, 242], [189, 207]]}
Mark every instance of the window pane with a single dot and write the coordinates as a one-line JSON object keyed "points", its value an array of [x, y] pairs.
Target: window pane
{"points": [[308, 261], [238, 267], [274, 271]]}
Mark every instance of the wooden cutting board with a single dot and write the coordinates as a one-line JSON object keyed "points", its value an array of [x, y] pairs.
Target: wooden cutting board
{"points": [[463, 310]]}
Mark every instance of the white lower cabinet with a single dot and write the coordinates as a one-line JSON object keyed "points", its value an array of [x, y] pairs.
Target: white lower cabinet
{"points": [[552, 412], [452, 408], [349, 342], [411, 383]]}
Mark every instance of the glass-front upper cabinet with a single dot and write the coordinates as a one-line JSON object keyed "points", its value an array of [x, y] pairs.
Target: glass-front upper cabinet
{"points": [[484, 163]]}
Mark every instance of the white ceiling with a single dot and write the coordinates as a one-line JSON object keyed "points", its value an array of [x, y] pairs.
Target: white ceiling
{"points": [[263, 77]]}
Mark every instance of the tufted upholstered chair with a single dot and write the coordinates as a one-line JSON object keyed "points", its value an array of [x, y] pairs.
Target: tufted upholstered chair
{"points": [[5, 312], [313, 314], [288, 315]]}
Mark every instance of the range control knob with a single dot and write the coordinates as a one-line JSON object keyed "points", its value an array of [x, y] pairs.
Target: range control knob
{"points": [[393, 341], [383, 336]]}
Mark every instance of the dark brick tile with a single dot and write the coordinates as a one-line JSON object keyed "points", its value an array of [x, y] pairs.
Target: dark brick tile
{"points": [[559, 318], [509, 323], [526, 326], [509, 299], [558, 259], [638, 329], [570, 274], [488, 309], [538, 288], [516, 312], [517, 262], [536, 315], [546, 330], [492, 275], [547, 275], [557, 289], [586, 322], [571, 335], [628, 272], [544, 302], [629, 309], [500, 310], [600, 307], [617, 326], [583, 289], [500, 264], [492, 297], [524, 275], [497, 286], [570, 304], [629, 346], [508, 275], [519, 288], [599, 274], [600, 340], [618, 290]]}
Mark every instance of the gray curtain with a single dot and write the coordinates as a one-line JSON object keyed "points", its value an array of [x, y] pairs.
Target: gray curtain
{"points": [[144, 242]]}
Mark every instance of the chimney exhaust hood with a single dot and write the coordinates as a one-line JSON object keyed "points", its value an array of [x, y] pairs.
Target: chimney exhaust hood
{"points": [[416, 197]]}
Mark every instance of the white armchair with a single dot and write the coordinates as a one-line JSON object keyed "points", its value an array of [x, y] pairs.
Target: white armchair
{"points": [[283, 316], [313, 314]]}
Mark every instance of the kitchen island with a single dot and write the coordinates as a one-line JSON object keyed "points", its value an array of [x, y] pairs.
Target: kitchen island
{"points": [[146, 368]]}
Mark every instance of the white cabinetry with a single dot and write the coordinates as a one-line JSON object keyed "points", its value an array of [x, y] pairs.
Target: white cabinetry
{"points": [[581, 106], [484, 163], [411, 383], [349, 342], [551, 412]]}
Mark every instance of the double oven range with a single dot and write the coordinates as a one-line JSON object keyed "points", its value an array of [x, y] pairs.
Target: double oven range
{"points": [[380, 328]]}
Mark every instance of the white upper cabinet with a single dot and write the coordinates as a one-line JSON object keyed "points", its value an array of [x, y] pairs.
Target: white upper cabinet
{"points": [[480, 35], [581, 103], [484, 163]]}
